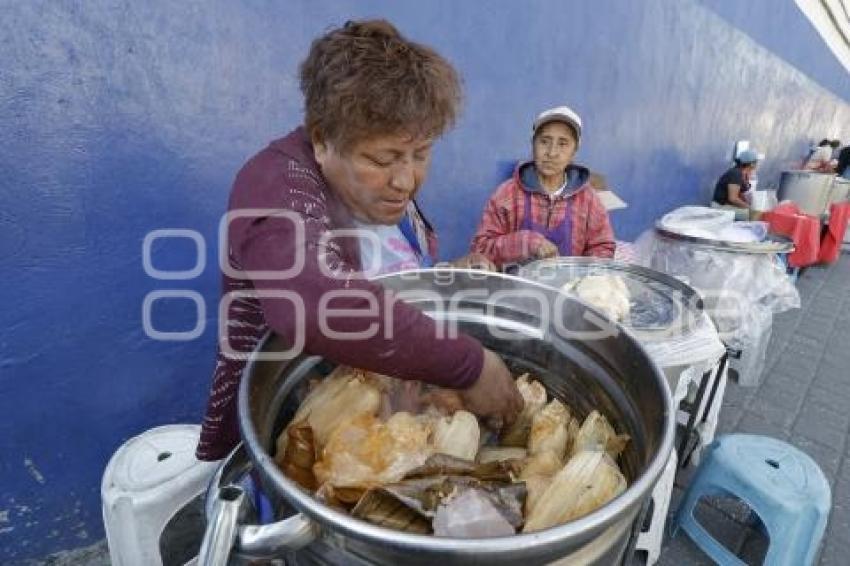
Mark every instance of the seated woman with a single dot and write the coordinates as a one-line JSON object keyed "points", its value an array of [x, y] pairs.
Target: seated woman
{"points": [[547, 208], [731, 188]]}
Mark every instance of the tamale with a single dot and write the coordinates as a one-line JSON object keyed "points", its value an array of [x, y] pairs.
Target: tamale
{"points": [[596, 433], [549, 429], [457, 435], [587, 482], [534, 398]]}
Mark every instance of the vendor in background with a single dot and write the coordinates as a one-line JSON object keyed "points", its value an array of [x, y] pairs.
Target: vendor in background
{"points": [[548, 207], [374, 104], [733, 185], [820, 157]]}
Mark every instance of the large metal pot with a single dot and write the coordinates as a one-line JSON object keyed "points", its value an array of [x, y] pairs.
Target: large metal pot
{"points": [[840, 190], [515, 318], [811, 191]]}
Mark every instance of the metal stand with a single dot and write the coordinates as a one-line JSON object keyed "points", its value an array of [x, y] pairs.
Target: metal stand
{"points": [[691, 437]]}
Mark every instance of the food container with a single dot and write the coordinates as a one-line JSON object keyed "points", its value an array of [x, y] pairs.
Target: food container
{"points": [[590, 365], [809, 190], [840, 190]]}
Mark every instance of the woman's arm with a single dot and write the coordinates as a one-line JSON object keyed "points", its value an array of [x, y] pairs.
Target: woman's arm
{"points": [[600, 235], [734, 196]]}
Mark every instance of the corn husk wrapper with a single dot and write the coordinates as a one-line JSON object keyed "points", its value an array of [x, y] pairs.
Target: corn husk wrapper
{"points": [[534, 397], [500, 454], [298, 455], [535, 487], [343, 395], [545, 464], [549, 430], [445, 465], [537, 473], [457, 436], [365, 452], [597, 434], [587, 482]]}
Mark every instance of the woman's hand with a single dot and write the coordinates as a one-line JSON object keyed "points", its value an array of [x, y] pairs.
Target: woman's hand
{"points": [[474, 261], [494, 395], [546, 249]]}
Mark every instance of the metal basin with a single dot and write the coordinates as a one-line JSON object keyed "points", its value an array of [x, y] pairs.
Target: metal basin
{"points": [[513, 317]]}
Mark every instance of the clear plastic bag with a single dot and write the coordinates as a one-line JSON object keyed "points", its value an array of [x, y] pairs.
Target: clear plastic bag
{"points": [[741, 291]]}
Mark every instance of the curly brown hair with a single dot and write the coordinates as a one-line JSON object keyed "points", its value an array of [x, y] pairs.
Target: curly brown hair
{"points": [[365, 79]]}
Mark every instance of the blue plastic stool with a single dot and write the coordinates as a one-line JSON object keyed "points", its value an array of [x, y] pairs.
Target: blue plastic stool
{"points": [[781, 484]]}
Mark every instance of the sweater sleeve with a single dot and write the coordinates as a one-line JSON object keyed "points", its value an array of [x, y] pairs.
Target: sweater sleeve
{"points": [[497, 237], [325, 308], [600, 235]]}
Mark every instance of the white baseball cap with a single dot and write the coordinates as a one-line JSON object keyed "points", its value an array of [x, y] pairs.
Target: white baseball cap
{"points": [[563, 114]]}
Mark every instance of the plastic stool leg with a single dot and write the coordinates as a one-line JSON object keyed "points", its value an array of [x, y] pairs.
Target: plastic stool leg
{"points": [[697, 533]]}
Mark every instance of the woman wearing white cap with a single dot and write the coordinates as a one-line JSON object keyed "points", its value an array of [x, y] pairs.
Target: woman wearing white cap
{"points": [[733, 186], [547, 208]]}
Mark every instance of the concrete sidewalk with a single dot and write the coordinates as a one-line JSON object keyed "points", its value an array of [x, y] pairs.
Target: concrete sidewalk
{"points": [[803, 398]]}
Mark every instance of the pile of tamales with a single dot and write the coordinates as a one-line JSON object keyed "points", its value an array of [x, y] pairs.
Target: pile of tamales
{"points": [[407, 456]]}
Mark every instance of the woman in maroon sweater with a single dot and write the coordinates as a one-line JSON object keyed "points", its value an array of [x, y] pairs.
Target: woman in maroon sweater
{"points": [[375, 102]]}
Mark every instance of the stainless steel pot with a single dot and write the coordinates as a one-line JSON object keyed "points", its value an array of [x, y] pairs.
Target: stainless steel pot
{"points": [[811, 191], [840, 190], [515, 318]]}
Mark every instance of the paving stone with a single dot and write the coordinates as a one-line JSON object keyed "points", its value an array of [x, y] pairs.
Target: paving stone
{"points": [[843, 477], [828, 417], [834, 552], [821, 426], [727, 422], [778, 378], [775, 414], [786, 397], [814, 327], [837, 401], [737, 395], [807, 342], [835, 368], [839, 341], [841, 327], [797, 364], [829, 378], [839, 517], [751, 423], [810, 348]]}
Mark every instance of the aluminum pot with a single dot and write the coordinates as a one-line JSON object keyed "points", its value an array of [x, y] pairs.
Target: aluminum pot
{"points": [[809, 190], [578, 356], [840, 190]]}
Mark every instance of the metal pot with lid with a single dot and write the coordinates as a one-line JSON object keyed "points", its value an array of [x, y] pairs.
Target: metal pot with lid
{"points": [[534, 328]]}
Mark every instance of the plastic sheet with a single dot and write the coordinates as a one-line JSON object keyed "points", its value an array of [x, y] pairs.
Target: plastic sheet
{"points": [[741, 291]]}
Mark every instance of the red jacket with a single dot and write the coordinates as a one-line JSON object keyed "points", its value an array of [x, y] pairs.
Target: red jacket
{"points": [[502, 240]]}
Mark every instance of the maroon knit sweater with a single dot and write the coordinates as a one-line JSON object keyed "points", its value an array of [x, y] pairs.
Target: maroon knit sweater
{"points": [[285, 177]]}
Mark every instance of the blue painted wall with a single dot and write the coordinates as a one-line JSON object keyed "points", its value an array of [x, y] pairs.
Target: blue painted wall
{"points": [[119, 118]]}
